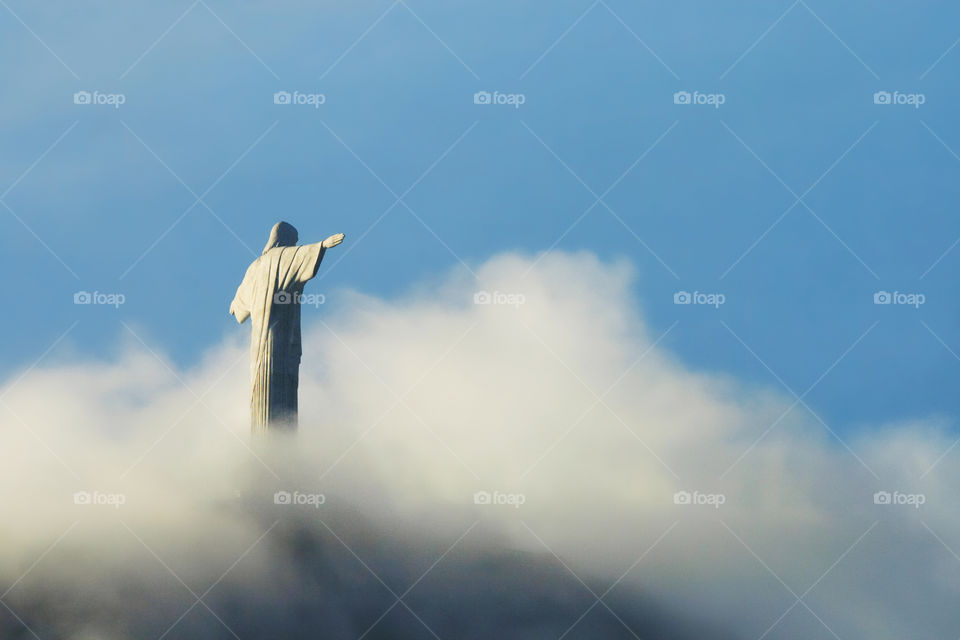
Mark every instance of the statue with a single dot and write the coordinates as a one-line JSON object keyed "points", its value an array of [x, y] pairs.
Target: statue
{"points": [[270, 295]]}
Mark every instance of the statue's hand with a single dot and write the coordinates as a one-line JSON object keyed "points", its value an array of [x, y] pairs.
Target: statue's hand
{"points": [[332, 241]]}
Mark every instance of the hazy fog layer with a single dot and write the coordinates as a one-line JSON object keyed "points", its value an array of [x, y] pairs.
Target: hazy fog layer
{"points": [[553, 397]]}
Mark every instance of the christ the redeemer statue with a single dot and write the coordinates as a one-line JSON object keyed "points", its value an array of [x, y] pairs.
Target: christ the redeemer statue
{"points": [[270, 296]]}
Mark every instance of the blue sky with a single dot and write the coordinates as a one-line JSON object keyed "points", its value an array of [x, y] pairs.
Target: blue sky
{"points": [[99, 198]]}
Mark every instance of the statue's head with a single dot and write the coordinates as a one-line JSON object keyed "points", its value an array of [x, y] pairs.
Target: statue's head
{"points": [[283, 234]]}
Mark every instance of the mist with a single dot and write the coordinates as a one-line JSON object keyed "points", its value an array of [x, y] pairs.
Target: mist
{"points": [[514, 456]]}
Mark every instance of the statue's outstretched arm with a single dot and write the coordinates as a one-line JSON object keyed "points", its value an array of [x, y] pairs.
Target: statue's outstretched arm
{"points": [[329, 243], [332, 241]]}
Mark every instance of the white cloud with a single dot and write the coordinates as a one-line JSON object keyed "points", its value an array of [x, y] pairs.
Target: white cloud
{"points": [[410, 406]]}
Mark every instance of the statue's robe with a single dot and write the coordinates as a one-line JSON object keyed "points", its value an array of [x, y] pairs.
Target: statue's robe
{"points": [[269, 295]]}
